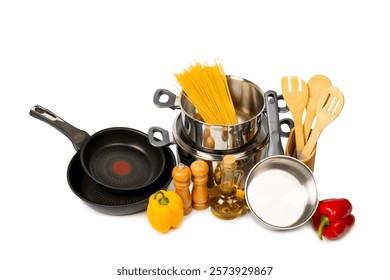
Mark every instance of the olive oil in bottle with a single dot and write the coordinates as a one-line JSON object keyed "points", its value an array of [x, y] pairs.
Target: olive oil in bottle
{"points": [[226, 198]]}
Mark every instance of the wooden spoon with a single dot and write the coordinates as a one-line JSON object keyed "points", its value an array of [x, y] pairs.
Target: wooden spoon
{"points": [[330, 104], [316, 85], [296, 100]]}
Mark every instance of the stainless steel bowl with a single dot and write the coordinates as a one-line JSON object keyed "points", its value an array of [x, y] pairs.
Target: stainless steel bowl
{"points": [[281, 192]]}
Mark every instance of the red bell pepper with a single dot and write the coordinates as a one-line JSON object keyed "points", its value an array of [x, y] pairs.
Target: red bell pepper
{"points": [[333, 218]]}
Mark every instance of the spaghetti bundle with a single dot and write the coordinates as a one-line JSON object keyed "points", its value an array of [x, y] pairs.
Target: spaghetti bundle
{"points": [[207, 88]]}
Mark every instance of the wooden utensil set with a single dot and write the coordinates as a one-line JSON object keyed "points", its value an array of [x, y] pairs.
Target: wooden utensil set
{"points": [[313, 106]]}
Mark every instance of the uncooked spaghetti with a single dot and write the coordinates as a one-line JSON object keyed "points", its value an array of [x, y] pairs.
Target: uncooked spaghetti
{"points": [[207, 88]]}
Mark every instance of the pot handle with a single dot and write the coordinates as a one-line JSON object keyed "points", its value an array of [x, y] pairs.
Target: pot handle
{"points": [[282, 109], [167, 138], [172, 101], [286, 121], [76, 136]]}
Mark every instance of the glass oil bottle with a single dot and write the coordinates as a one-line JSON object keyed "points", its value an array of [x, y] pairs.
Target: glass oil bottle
{"points": [[227, 198]]}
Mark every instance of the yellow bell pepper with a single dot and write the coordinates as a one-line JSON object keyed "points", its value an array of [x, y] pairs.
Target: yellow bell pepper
{"points": [[165, 210]]}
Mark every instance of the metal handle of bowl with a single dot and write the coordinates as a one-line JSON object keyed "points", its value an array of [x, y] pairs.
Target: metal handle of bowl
{"points": [[275, 145], [172, 101]]}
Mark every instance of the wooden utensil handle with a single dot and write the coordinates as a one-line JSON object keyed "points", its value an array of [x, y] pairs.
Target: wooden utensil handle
{"points": [[310, 115], [310, 144], [299, 137]]}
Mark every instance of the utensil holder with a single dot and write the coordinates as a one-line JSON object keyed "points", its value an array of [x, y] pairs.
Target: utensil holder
{"points": [[290, 151]]}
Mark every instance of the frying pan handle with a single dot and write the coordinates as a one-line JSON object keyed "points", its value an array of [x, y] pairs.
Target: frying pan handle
{"points": [[75, 135], [275, 145], [167, 138], [170, 103]]}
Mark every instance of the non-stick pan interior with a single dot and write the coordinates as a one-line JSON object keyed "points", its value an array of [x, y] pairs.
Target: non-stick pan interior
{"points": [[122, 159], [107, 202], [281, 192]]}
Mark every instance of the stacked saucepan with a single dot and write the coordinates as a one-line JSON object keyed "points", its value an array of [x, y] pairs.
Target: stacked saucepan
{"points": [[116, 169], [281, 192]]}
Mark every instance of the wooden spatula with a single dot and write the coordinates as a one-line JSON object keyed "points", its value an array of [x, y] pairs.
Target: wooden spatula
{"points": [[296, 100], [316, 85], [330, 103]]}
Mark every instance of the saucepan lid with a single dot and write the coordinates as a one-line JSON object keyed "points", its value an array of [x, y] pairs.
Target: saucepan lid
{"points": [[281, 192]]}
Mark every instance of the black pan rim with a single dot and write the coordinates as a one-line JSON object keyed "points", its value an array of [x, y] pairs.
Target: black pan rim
{"points": [[127, 129], [106, 207]]}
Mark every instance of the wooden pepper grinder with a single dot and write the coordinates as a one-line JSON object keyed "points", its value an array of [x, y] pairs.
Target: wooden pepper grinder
{"points": [[182, 179], [200, 192]]}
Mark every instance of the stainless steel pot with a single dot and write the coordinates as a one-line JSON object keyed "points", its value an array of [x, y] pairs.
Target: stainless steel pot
{"points": [[247, 155], [248, 101]]}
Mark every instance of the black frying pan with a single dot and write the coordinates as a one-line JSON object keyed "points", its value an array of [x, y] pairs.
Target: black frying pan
{"points": [[112, 203], [120, 159]]}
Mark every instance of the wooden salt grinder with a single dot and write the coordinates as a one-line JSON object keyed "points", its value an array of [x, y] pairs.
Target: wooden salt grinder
{"points": [[182, 179], [200, 192]]}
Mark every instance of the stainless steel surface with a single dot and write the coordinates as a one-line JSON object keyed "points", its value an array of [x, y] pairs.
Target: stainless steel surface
{"points": [[247, 155], [281, 192], [178, 136], [248, 100]]}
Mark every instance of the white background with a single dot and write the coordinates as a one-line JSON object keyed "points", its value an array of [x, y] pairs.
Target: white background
{"points": [[97, 64]]}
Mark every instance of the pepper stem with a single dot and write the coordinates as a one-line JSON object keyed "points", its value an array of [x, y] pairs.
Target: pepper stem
{"points": [[163, 200], [324, 223]]}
